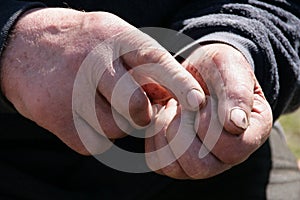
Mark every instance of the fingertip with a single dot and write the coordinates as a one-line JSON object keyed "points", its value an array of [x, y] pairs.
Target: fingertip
{"points": [[239, 118], [195, 99], [234, 114], [171, 103]]}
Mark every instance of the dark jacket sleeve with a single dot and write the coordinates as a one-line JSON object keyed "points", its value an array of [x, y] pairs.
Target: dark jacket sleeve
{"points": [[9, 12], [266, 32]]}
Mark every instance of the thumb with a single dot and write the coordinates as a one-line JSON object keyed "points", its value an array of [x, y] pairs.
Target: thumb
{"points": [[230, 78]]}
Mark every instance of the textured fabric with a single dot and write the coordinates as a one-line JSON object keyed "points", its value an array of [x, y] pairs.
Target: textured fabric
{"points": [[273, 27]]}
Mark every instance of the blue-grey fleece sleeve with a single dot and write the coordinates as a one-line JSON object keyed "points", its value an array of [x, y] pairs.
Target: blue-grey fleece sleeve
{"points": [[268, 34], [9, 12]]}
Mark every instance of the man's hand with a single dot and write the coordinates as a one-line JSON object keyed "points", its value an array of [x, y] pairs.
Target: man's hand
{"points": [[235, 121], [48, 47]]}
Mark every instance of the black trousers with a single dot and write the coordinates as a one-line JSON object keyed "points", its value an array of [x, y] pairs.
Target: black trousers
{"points": [[35, 165]]}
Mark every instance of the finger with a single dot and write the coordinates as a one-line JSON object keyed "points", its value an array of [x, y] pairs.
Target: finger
{"points": [[113, 125], [100, 70], [229, 148], [87, 140], [229, 76], [90, 136], [155, 92], [150, 148], [168, 162], [151, 156], [85, 120], [145, 56], [235, 100], [125, 95], [181, 135], [158, 156]]}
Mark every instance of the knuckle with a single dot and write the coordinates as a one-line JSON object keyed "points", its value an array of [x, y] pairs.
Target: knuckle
{"points": [[240, 92], [99, 16], [240, 96], [152, 55], [146, 55], [104, 24]]}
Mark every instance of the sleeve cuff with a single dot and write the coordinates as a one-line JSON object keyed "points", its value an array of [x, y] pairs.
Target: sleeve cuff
{"points": [[242, 44]]}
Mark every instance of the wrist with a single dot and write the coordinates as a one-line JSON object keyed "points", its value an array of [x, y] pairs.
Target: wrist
{"points": [[13, 11]]}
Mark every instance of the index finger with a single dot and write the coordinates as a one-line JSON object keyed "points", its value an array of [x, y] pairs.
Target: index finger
{"points": [[145, 56]]}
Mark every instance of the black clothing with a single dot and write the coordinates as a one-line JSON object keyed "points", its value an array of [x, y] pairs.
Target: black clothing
{"points": [[36, 165]]}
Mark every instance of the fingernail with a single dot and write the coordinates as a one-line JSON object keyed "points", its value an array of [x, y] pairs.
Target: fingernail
{"points": [[172, 102], [195, 98], [239, 118], [155, 109], [197, 122]]}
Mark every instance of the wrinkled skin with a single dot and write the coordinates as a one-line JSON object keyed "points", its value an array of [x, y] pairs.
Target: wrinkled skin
{"points": [[44, 54], [228, 80]]}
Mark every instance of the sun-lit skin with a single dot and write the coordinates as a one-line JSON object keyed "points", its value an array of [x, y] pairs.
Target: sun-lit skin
{"points": [[227, 77], [48, 46], [45, 51]]}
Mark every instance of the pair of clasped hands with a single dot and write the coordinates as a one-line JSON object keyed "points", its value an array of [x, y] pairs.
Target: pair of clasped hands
{"points": [[213, 93]]}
